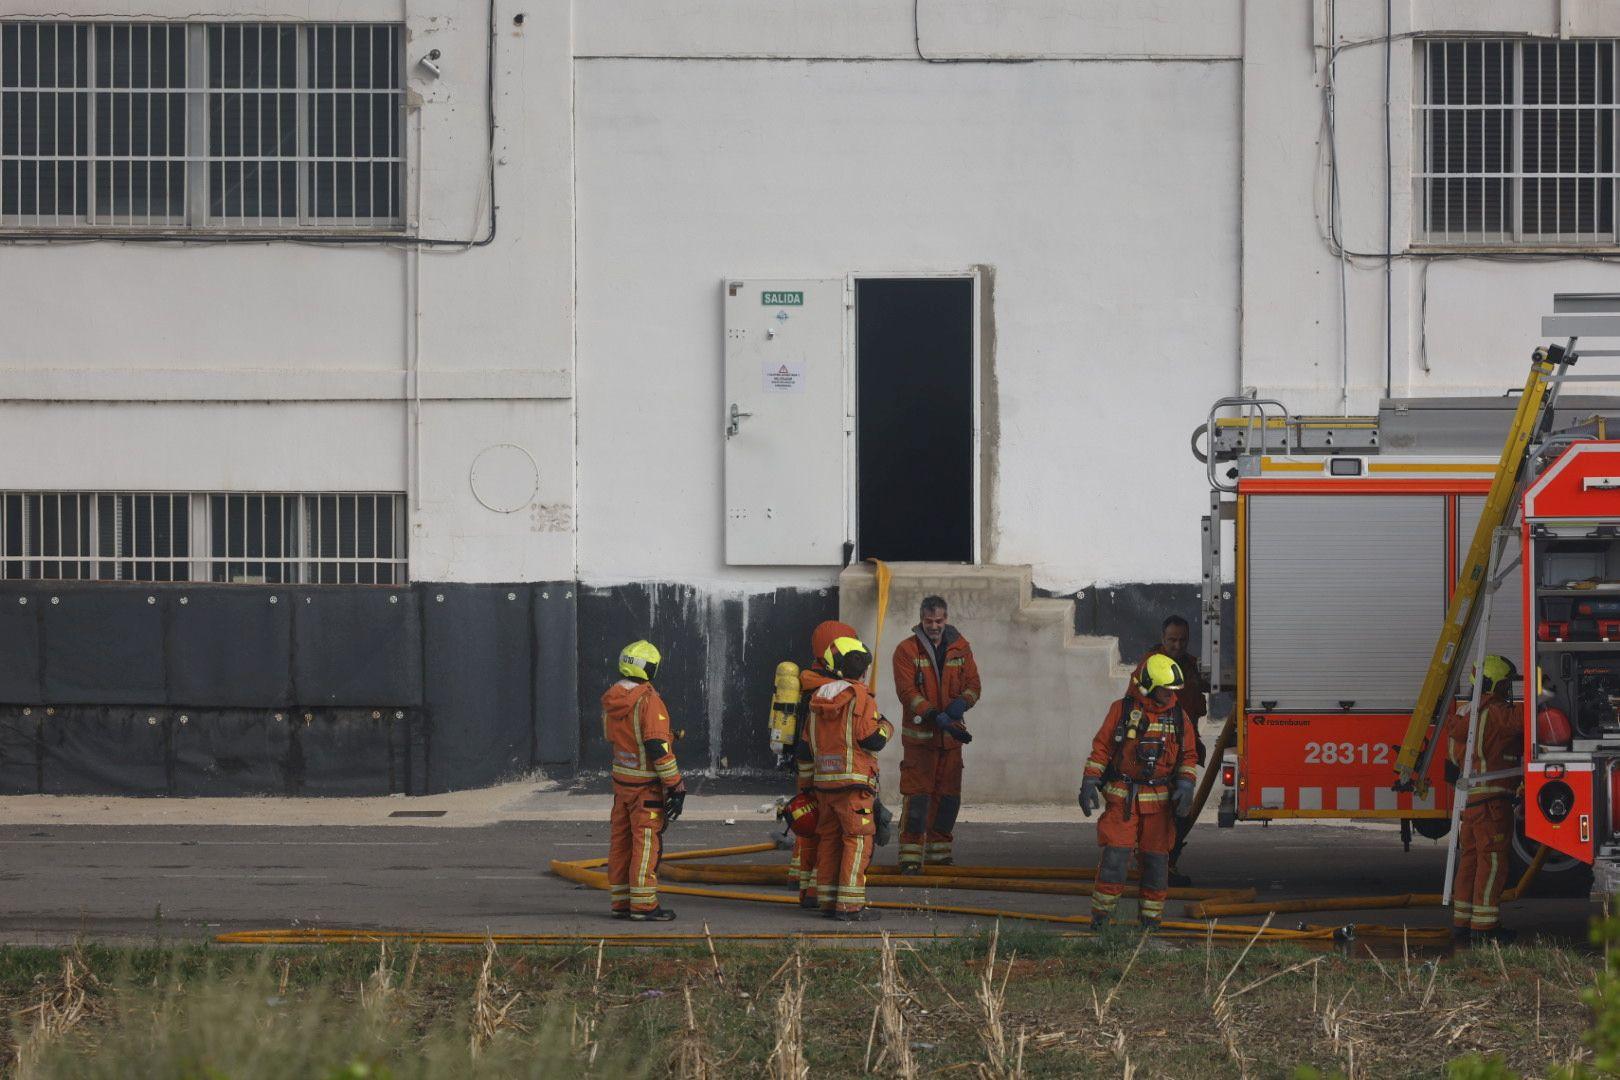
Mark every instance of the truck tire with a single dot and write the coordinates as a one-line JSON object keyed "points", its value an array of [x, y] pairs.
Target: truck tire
{"points": [[1560, 875]]}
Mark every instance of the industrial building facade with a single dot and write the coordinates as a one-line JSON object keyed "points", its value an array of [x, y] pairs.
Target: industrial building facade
{"points": [[365, 384]]}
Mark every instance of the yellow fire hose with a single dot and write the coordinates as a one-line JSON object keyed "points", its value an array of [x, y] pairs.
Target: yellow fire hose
{"points": [[588, 872], [1006, 879], [1210, 909], [1212, 769], [1002, 879]]}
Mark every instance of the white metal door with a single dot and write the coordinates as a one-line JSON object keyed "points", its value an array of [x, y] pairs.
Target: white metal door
{"points": [[785, 421]]}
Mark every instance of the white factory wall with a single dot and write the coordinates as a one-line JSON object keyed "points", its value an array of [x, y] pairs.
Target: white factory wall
{"points": [[1112, 235], [1148, 197], [1459, 325], [288, 366]]}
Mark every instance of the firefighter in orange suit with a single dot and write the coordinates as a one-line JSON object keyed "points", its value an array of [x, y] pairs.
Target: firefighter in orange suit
{"points": [[802, 867], [844, 735], [1486, 823], [1143, 763], [648, 792], [938, 682]]}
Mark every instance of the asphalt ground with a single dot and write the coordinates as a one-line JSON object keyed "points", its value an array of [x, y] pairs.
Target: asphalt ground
{"points": [[190, 882]]}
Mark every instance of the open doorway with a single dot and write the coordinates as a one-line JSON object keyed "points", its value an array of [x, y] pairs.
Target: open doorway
{"points": [[916, 462]]}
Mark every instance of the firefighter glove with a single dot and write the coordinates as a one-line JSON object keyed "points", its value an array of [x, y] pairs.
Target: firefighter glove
{"points": [[674, 803], [1183, 798], [959, 733], [957, 708], [1453, 773], [936, 718], [1089, 797]]}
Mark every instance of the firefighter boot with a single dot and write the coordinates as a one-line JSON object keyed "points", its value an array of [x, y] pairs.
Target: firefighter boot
{"points": [[1100, 919], [1461, 935], [1500, 935], [657, 914], [858, 915]]}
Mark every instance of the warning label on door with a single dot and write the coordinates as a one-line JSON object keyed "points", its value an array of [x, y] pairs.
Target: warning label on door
{"points": [[784, 377]]}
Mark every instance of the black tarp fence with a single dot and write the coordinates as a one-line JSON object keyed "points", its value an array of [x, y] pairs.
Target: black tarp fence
{"points": [[232, 689]]}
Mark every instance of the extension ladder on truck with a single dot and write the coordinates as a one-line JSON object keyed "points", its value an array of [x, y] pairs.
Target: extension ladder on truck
{"points": [[1548, 365]]}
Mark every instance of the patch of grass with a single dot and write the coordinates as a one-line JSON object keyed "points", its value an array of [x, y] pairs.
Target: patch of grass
{"points": [[1008, 1005]]}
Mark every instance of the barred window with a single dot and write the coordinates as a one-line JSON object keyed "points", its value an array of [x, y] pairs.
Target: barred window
{"points": [[1517, 142], [90, 536], [347, 538], [242, 126]]}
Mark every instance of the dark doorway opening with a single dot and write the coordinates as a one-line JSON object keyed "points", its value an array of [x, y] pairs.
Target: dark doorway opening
{"points": [[914, 415]]}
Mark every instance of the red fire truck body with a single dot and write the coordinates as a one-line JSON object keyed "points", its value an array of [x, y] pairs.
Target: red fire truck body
{"points": [[1571, 635]]}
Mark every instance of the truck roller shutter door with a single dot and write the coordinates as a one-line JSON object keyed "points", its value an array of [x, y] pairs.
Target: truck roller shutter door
{"points": [[1505, 636], [1346, 594]]}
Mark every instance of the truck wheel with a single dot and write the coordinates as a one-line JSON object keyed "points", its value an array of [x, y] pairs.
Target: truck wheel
{"points": [[1560, 875]]}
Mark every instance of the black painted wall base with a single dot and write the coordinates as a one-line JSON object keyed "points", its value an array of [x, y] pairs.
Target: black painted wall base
{"points": [[1135, 614], [267, 690], [97, 750], [194, 689], [720, 655]]}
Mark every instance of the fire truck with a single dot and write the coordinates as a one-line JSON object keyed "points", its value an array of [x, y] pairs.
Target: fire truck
{"points": [[1356, 567]]}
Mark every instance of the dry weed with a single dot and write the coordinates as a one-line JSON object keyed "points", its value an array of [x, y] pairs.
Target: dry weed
{"points": [[61, 1008], [992, 1004], [787, 1056], [489, 1018], [888, 1030], [693, 1060], [378, 990]]}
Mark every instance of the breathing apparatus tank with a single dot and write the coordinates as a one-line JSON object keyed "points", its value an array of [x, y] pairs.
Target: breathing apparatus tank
{"points": [[784, 715]]}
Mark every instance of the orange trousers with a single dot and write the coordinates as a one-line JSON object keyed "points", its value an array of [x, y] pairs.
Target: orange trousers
{"points": [[635, 841], [931, 790], [802, 867], [1151, 835], [844, 844], [1485, 830]]}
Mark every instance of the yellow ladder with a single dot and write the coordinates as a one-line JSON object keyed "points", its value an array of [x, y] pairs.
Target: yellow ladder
{"points": [[1463, 613]]}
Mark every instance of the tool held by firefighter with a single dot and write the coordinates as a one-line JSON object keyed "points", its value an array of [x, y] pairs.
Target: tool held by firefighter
{"points": [[1143, 763], [1484, 759], [844, 733], [648, 792], [937, 680]]}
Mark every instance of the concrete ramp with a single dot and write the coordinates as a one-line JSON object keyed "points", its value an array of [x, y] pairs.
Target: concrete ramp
{"points": [[1046, 689]]}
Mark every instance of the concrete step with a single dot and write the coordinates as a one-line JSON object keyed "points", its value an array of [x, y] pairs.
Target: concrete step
{"points": [[1046, 689]]}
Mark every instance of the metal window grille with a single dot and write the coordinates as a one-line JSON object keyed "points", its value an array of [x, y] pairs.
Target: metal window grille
{"points": [[238, 537], [201, 125], [1518, 142], [92, 536]]}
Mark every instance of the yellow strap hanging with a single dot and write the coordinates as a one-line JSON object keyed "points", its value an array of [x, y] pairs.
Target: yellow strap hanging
{"points": [[883, 576]]}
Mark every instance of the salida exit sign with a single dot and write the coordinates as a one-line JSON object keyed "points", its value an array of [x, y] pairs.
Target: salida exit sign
{"points": [[782, 299]]}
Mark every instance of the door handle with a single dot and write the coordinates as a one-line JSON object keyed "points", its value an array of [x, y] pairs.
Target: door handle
{"points": [[737, 417]]}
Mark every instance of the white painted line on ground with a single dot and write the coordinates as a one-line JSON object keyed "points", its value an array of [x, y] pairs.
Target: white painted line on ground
{"points": [[507, 877], [235, 843], [252, 877]]}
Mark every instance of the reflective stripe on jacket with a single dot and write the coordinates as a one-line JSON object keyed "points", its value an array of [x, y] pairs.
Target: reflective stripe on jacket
{"points": [[1498, 745], [635, 722], [843, 715], [811, 679], [1144, 722], [922, 685]]}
